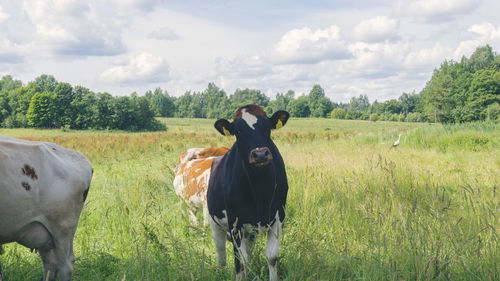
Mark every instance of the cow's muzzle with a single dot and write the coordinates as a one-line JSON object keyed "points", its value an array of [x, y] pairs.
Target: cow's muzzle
{"points": [[260, 156]]}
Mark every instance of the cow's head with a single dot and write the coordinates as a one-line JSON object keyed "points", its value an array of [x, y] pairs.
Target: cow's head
{"points": [[252, 129]]}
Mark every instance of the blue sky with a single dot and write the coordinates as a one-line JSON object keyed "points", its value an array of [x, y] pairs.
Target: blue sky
{"points": [[377, 48]]}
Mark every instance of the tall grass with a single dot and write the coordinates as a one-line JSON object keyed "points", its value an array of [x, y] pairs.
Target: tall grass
{"points": [[427, 210], [483, 136]]}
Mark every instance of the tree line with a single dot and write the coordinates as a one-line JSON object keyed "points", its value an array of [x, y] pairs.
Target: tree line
{"points": [[463, 91], [47, 103]]}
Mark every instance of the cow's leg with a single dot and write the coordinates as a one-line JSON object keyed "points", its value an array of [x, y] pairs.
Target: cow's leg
{"points": [[219, 235], [192, 217], [206, 215], [272, 249], [36, 236], [247, 244], [49, 260], [63, 253], [238, 262]]}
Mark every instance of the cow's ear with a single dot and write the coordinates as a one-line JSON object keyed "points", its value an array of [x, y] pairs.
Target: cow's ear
{"points": [[224, 127], [279, 119]]}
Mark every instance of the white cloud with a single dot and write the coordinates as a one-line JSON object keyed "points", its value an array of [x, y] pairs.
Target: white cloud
{"points": [[255, 71], [9, 53], [74, 28], [3, 15], [55, 34], [430, 58], [481, 34], [143, 5], [164, 33], [243, 71], [15, 25], [375, 60], [377, 29], [142, 68], [249, 66], [307, 46], [466, 48], [435, 9], [486, 31]]}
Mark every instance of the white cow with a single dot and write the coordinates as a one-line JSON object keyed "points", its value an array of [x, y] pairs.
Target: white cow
{"points": [[42, 191]]}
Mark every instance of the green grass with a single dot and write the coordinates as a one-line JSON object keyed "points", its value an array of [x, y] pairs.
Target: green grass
{"points": [[427, 210]]}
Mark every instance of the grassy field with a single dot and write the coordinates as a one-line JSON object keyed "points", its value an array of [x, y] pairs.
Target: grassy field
{"points": [[427, 210]]}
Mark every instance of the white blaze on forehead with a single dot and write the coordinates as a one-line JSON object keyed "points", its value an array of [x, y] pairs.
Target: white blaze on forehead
{"points": [[249, 118]]}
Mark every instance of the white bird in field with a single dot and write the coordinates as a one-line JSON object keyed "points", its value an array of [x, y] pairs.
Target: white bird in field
{"points": [[396, 143]]}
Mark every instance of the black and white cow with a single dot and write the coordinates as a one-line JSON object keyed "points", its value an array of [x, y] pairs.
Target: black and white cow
{"points": [[248, 187]]}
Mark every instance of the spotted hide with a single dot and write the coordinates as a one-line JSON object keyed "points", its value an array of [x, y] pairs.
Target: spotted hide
{"points": [[248, 187], [42, 191], [191, 178]]}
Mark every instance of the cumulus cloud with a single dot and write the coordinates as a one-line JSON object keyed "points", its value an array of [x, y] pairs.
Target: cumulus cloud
{"points": [[164, 33], [377, 29], [15, 25], [305, 46], [242, 66], [3, 15], [431, 57], [481, 34], [434, 10], [486, 31], [75, 28], [142, 68], [9, 53], [375, 60], [144, 5], [252, 71], [466, 48]]}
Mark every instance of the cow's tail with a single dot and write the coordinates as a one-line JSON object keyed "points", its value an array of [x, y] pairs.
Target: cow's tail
{"points": [[86, 191]]}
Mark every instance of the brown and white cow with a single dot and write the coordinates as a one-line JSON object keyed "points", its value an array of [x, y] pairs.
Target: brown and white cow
{"points": [[191, 178], [201, 153], [43, 187]]}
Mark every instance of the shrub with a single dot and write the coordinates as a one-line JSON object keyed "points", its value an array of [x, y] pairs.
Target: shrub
{"points": [[338, 113], [18, 120]]}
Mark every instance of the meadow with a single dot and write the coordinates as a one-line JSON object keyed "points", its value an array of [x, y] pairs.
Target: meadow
{"points": [[357, 210]]}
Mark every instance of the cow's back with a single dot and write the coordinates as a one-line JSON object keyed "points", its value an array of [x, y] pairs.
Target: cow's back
{"points": [[199, 153], [193, 173], [40, 182], [191, 180]]}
